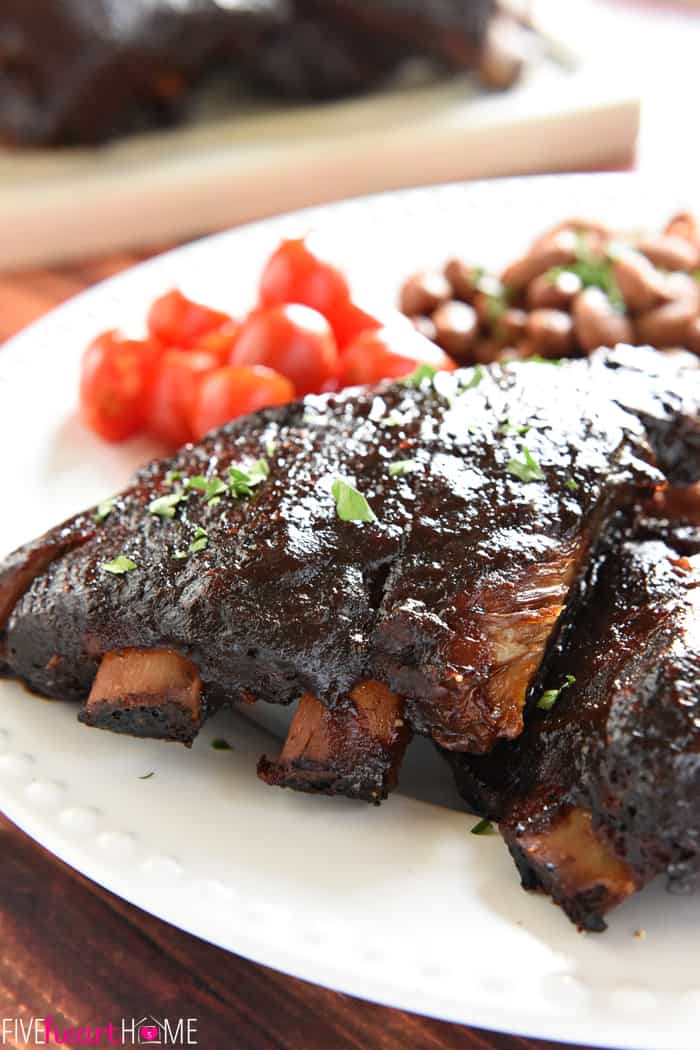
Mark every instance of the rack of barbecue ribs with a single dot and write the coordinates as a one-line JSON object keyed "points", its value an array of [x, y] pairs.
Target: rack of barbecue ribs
{"points": [[86, 70], [76, 71], [429, 556], [601, 793]]}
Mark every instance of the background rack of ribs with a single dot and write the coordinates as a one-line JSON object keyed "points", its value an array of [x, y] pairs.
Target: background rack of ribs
{"points": [[496, 554], [81, 71]]}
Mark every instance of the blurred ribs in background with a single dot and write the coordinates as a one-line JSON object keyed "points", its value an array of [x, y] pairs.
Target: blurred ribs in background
{"points": [[84, 71]]}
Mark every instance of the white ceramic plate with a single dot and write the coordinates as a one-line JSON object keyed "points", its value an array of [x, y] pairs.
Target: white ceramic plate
{"points": [[398, 904]]}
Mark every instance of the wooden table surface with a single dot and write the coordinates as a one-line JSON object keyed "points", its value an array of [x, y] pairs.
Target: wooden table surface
{"points": [[70, 950]]}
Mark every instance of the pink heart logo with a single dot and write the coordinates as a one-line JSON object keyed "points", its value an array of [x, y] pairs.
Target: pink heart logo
{"points": [[148, 1034]]}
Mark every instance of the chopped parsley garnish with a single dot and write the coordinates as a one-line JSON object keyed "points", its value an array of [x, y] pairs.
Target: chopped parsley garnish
{"points": [[180, 554], [527, 468], [537, 359], [212, 488], [105, 508], [147, 776], [484, 827], [165, 506], [507, 427], [394, 419], [496, 306], [421, 372], [270, 448], [172, 476], [550, 696], [243, 481], [593, 271], [497, 296], [200, 541], [572, 484], [119, 565], [350, 504], [401, 467], [219, 744], [477, 373]]}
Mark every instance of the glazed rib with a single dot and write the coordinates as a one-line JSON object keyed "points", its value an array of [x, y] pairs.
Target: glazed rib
{"points": [[86, 70], [83, 71], [451, 599], [601, 793]]}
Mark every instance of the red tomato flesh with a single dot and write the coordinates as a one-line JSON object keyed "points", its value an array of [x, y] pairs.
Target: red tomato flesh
{"points": [[234, 391], [116, 375], [176, 321], [390, 353], [298, 272], [351, 321], [293, 340], [220, 341], [174, 392]]}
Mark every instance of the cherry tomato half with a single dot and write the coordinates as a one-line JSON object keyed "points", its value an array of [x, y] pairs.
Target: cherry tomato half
{"points": [[220, 341], [298, 272], [174, 392], [349, 322], [390, 353], [176, 321], [294, 340], [116, 375], [234, 391]]}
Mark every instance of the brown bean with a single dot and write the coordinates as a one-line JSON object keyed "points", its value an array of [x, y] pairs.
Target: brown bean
{"points": [[550, 332], [502, 59], [463, 279], [640, 283], [424, 325], [670, 253], [520, 352], [512, 326], [683, 225], [559, 251], [597, 322], [597, 233], [694, 336], [490, 300], [456, 329], [682, 287], [524, 350], [486, 351], [424, 292], [556, 294], [668, 325]]}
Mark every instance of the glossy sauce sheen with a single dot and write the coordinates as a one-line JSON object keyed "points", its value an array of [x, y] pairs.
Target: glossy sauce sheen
{"points": [[452, 597]]}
